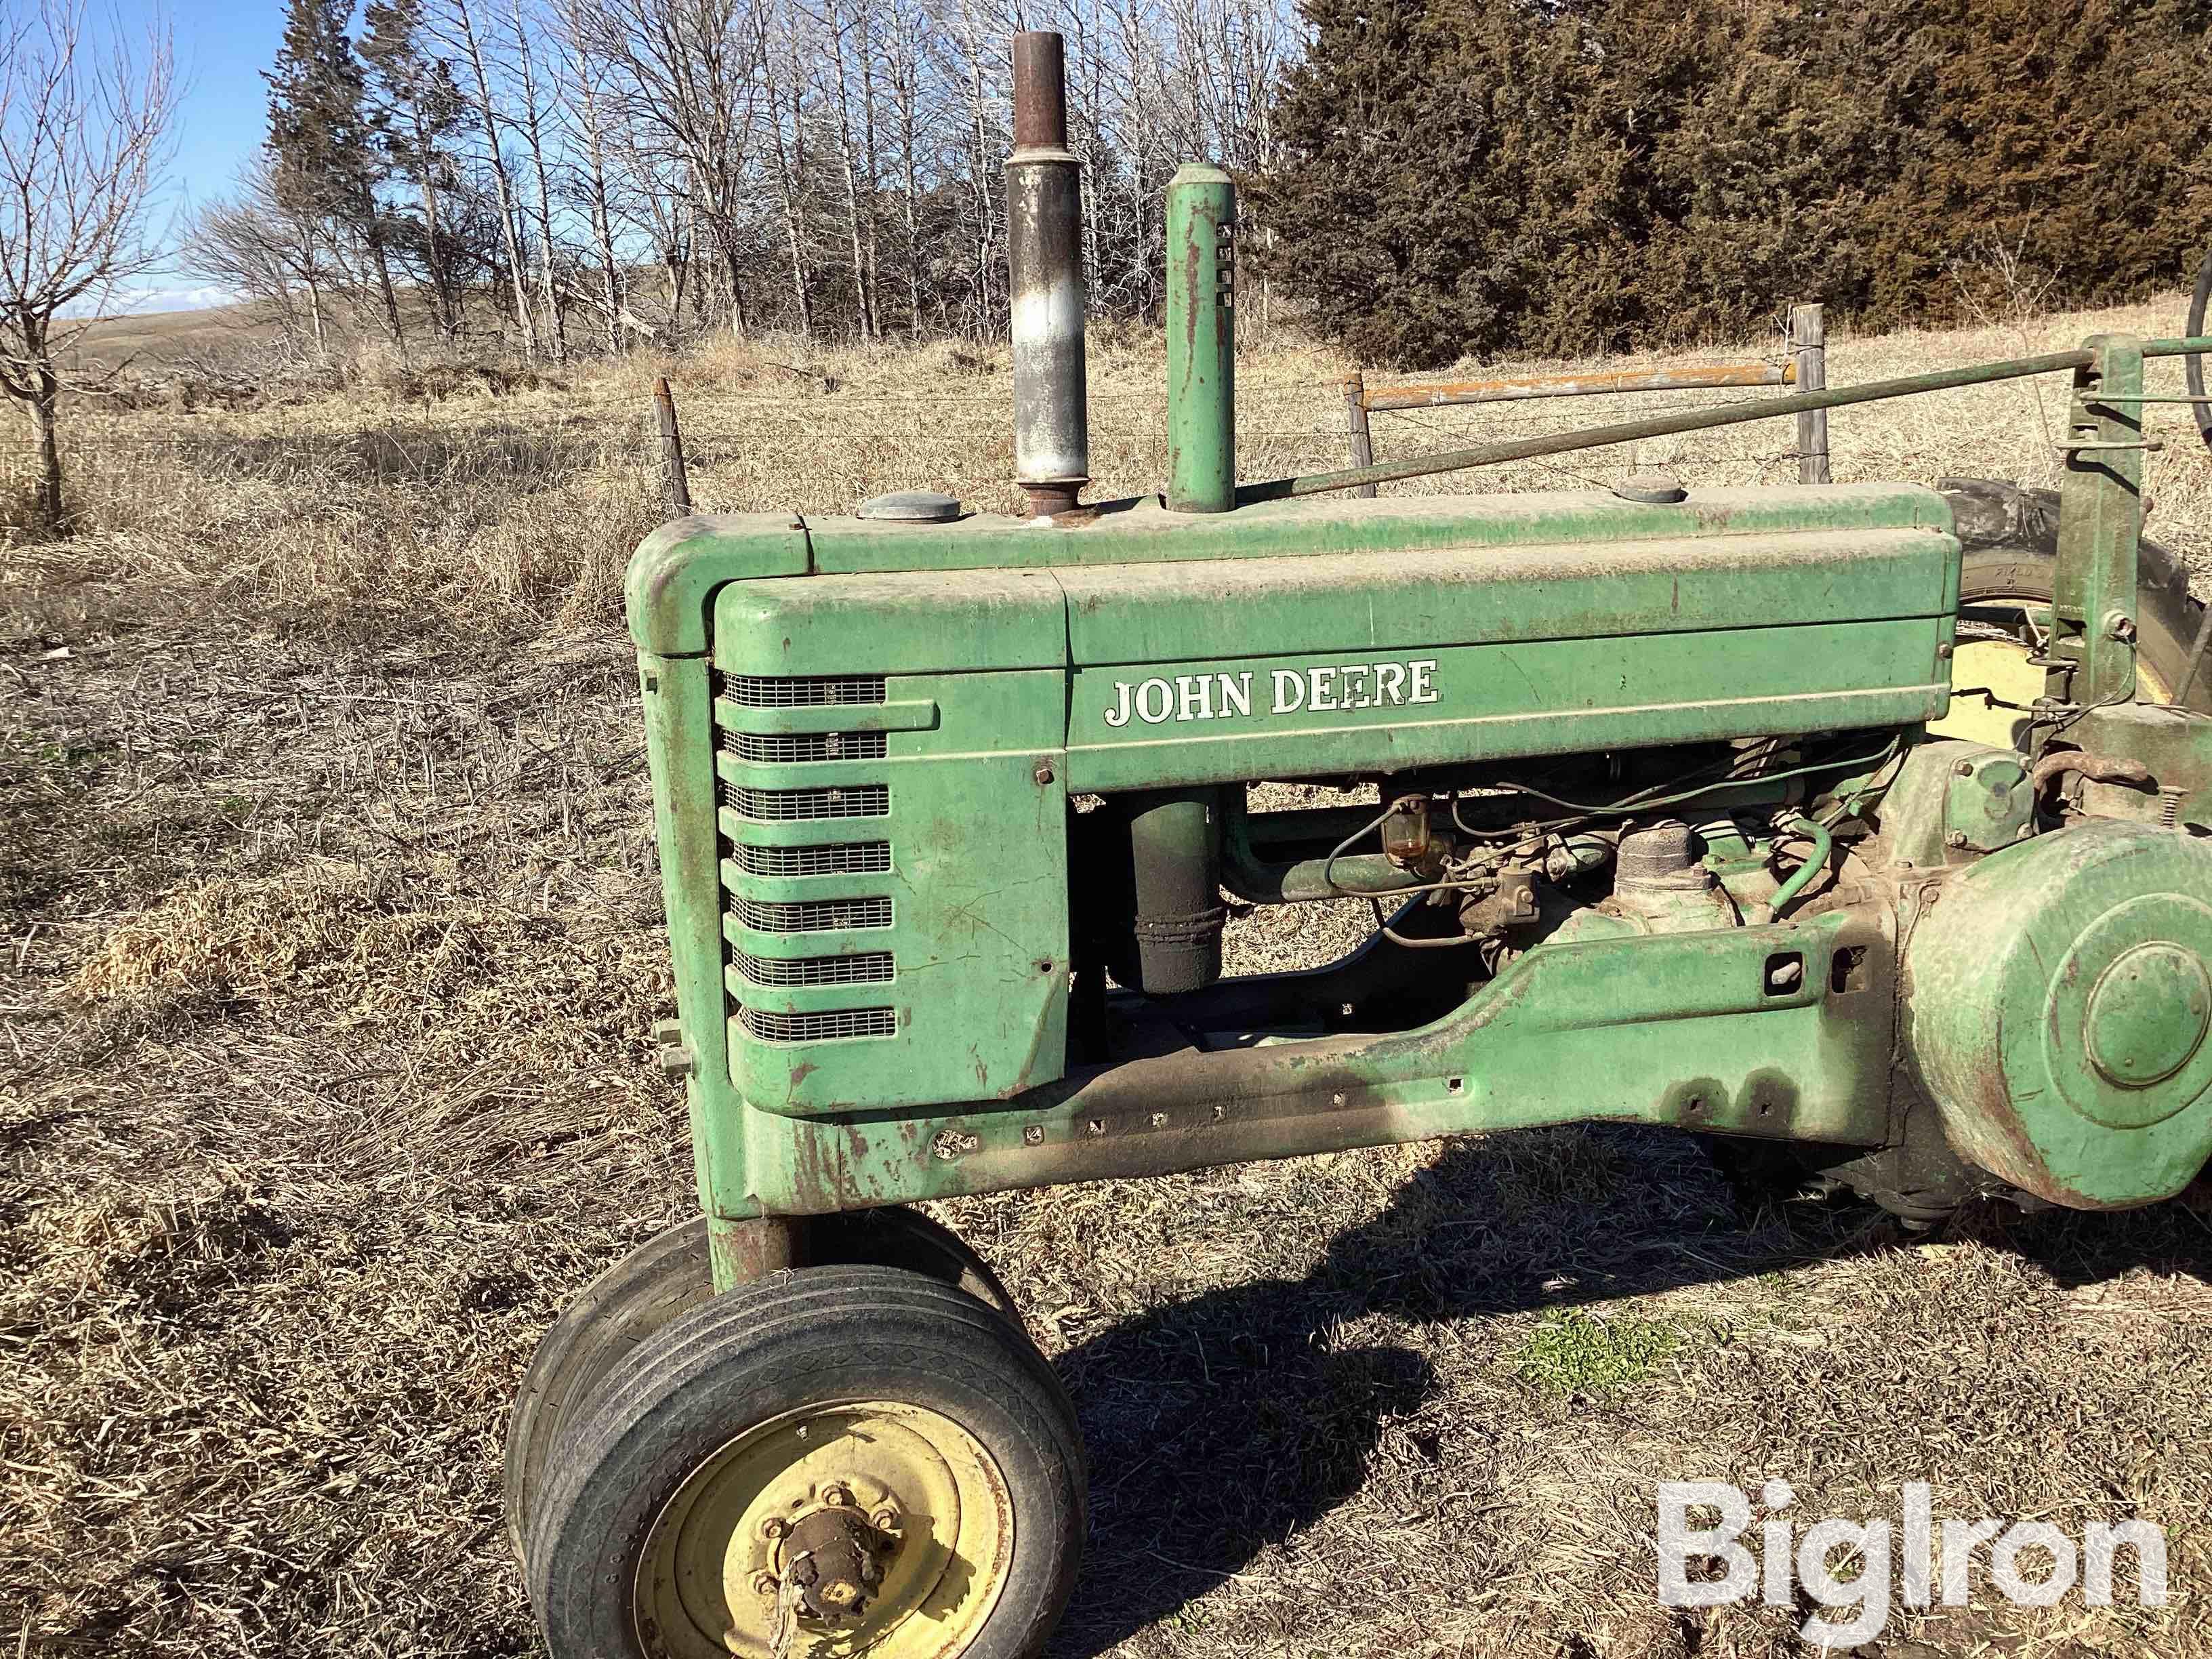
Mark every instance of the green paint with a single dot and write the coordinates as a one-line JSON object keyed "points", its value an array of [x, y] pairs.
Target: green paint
{"points": [[1201, 340], [1500, 701], [670, 587], [1143, 531], [679, 732], [1677, 1028], [864, 739], [2147, 1014], [2100, 519], [2045, 971]]}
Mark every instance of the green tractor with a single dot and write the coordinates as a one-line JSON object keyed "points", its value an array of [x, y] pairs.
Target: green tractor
{"points": [[1863, 824]]}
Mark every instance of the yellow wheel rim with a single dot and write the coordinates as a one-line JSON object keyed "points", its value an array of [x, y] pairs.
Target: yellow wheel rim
{"points": [[2004, 666], [703, 1588]]}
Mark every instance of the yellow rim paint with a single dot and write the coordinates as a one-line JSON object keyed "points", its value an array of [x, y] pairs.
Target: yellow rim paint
{"points": [[695, 1591], [2003, 667]]}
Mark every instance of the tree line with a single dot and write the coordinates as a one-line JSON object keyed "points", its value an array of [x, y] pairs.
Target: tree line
{"points": [[1560, 176], [598, 173]]}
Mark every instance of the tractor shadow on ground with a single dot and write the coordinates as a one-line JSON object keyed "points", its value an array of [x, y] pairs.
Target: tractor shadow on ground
{"points": [[1223, 1423]]}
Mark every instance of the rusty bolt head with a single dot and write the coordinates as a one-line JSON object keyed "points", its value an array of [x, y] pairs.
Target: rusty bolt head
{"points": [[1034, 1135], [766, 1583], [775, 1528], [837, 1495], [1042, 774], [1956, 838], [2122, 628], [1943, 652], [1964, 769]]}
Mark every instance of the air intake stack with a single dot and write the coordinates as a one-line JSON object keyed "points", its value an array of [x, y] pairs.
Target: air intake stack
{"points": [[1201, 340], [1044, 256]]}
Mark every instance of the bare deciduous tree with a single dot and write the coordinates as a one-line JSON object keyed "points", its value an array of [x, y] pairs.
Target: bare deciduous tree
{"points": [[260, 246], [460, 30], [84, 126]]}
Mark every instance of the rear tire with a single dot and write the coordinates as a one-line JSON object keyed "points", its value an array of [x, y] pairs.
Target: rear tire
{"points": [[2010, 537], [674, 1520]]}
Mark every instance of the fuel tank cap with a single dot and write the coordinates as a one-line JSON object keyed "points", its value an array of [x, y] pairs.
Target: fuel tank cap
{"points": [[1652, 489], [913, 506]]}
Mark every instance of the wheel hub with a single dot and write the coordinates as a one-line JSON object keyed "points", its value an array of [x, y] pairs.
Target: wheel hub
{"points": [[871, 1527], [834, 1559], [2147, 1015]]}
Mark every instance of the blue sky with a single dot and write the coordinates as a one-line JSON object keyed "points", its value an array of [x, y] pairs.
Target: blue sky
{"points": [[220, 52]]}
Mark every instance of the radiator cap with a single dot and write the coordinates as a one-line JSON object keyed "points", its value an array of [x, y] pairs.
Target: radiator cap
{"points": [[1652, 489], [913, 506]]}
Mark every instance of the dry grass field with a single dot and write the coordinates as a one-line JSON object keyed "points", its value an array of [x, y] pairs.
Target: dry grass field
{"points": [[330, 932]]}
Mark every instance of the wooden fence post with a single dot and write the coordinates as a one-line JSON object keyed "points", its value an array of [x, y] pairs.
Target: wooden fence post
{"points": [[1809, 339], [1355, 418], [671, 451]]}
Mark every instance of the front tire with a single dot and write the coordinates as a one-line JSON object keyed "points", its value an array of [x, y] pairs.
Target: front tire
{"points": [[667, 1277], [692, 1505]]}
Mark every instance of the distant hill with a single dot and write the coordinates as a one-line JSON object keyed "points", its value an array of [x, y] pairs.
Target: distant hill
{"points": [[156, 338]]}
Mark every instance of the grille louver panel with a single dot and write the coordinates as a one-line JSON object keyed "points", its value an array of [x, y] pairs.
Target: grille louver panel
{"points": [[818, 1028], [870, 968], [782, 749], [802, 691], [859, 800], [807, 805], [812, 915], [852, 858]]}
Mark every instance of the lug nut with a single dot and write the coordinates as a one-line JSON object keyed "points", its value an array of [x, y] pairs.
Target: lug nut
{"points": [[765, 1583], [837, 1495], [885, 1519], [775, 1527]]}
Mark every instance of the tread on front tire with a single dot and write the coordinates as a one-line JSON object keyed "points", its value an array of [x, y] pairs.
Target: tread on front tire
{"points": [[646, 1534], [667, 1277]]}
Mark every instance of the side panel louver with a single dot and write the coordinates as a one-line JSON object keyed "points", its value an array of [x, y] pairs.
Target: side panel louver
{"points": [[869, 967], [812, 915], [802, 691], [818, 1028], [866, 800], [766, 878], [780, 749], [861, 858]]}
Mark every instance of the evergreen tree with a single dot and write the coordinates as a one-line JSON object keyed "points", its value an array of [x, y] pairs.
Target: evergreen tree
{"points": [[1492, 176], [417, 111], [325, 142]]}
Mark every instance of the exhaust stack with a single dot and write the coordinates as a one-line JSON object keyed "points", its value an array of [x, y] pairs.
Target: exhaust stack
{"points": [[1045, 257]]}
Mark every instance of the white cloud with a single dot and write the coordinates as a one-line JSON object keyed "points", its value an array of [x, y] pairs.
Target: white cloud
{"points": [[141, 301]]}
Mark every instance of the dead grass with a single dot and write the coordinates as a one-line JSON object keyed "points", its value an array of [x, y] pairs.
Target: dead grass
{"points": [[332, 939]]}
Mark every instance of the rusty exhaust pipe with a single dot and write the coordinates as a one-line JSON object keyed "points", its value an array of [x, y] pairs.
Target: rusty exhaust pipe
{"points": [[1044, 258]]}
